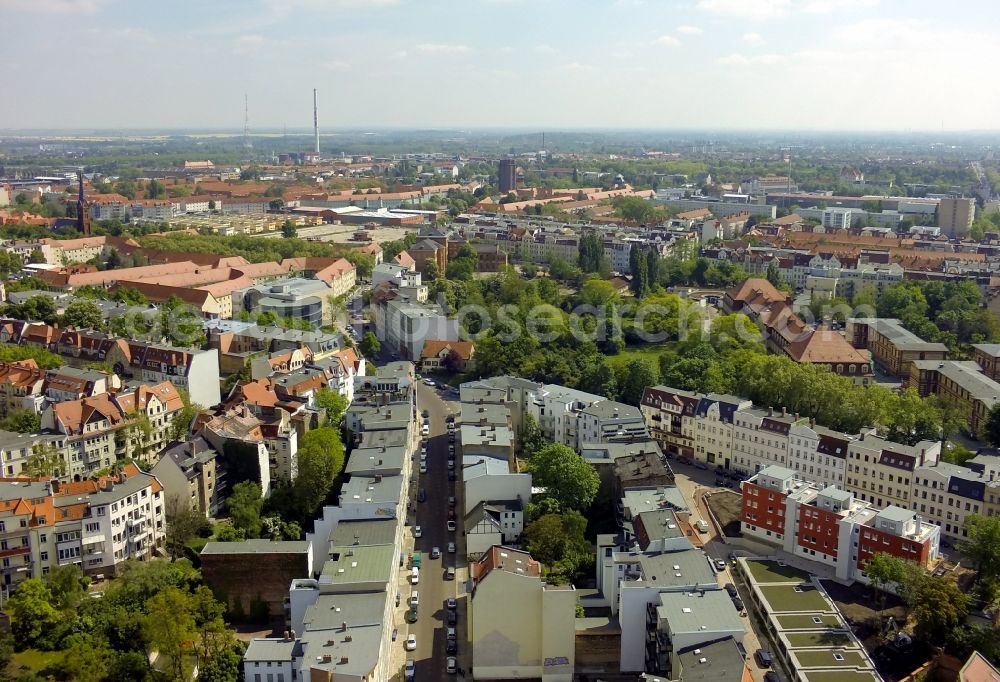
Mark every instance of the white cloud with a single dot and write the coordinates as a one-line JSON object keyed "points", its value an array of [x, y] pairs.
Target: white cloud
{"points": [[249, 44], [442, 48], [54, 6], [337, 65], [667, 41], [737, 59], [545, 49], [689, 30], [753, 39], [770, 9]]}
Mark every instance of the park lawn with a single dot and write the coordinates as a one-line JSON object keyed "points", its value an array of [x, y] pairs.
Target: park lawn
{"points": [[35, 661], [649, 352]]}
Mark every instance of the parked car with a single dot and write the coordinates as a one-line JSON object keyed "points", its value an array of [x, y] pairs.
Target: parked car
{"points": [[451, 647], [763, 658], [450, 633], [415, 598], [451, 548], [411, 669], [771, 676], [450, 573], [452, 618], [451, 665], [423, 467], [422, 495], [738, 604], [418, 531], [429, 382], [411, 642], [451, 603], [451, 501], [451, 474], [452, 526], [425, 414], [435, 552], [720, 565], [731, 589]]}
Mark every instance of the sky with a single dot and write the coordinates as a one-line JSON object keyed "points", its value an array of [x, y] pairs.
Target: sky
{"points": [[900, 65]]}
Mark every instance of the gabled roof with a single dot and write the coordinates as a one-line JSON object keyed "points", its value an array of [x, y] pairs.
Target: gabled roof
{"points": [[433, 348]]}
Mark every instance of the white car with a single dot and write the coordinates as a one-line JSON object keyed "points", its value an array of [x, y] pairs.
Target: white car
{"points": [[423, 456], [411, 642], [452, 526], [429, 382], [435, 552], [451, 665], [418, 531], [415, 598], [425, 429], [411, 668], [451, 548], [423, 467]]}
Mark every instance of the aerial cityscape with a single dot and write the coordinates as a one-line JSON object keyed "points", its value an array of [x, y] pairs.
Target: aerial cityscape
{"points": [[541, 341]]}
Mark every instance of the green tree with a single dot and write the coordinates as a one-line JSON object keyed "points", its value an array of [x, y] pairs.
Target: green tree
{"points": [[36, 257], [334, 404], [85, 657], [245, 504], [531, 439], [21, 421], [991, 429], [83, 315], [46, 460], [939, 606], [370, 345], [169, 626], [288, 230], [565, 476], [983, 545], [183, 525], [31, 612], [559, 543], [431, 272], [633, 379], [321, 459]]}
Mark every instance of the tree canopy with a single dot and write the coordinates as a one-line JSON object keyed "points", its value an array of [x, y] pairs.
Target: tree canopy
{"points": [[566, 477]]}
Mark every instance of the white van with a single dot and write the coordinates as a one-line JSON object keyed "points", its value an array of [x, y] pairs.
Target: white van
{"points": [[414, 575]]}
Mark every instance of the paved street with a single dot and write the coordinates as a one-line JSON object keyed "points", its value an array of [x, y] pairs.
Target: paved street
{"points": [[432, 517]]}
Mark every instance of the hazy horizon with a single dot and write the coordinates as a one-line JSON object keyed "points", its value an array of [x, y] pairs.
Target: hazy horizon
{"points": [[774, 66]]}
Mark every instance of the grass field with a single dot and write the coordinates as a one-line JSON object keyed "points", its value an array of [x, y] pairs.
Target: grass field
{"points": [[650, 353], [770, 572], [35, 661]]}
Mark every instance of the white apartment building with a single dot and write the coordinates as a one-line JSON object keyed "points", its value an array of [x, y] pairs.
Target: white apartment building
{"points": [[404, 326], [556, 408], [607, 421], [837, 218], [97, 524]]}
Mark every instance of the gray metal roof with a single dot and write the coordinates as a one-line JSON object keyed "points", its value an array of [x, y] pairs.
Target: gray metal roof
{"points": [[658, 569], [257, 546], [894, 513], [263, 649], [371, 489], [376, 460], [350, 564], [363, 532], [711, 662], [708, 611]]}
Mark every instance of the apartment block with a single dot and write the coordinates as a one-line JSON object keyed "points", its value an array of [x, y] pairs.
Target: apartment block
{"points": [[958, 382], [830, 525], [955, 216], [405, 325], [97, 524], [946, 495], [987, 356], [191, 477], [520, 626], [96, 432], [893, 347], [881, 472]]}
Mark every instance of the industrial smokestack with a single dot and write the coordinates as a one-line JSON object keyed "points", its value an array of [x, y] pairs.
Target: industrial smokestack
{"points": [[315, 121]]}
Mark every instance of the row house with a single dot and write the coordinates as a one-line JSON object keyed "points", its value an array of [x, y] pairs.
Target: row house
{"points": [[946, 495], [881, 472], [830, 525], [557, 410], [713, 432], [21, 386], [987, 356], [193, 370], [97, 524], [192, 477], [102, 429], [669, 415]]}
